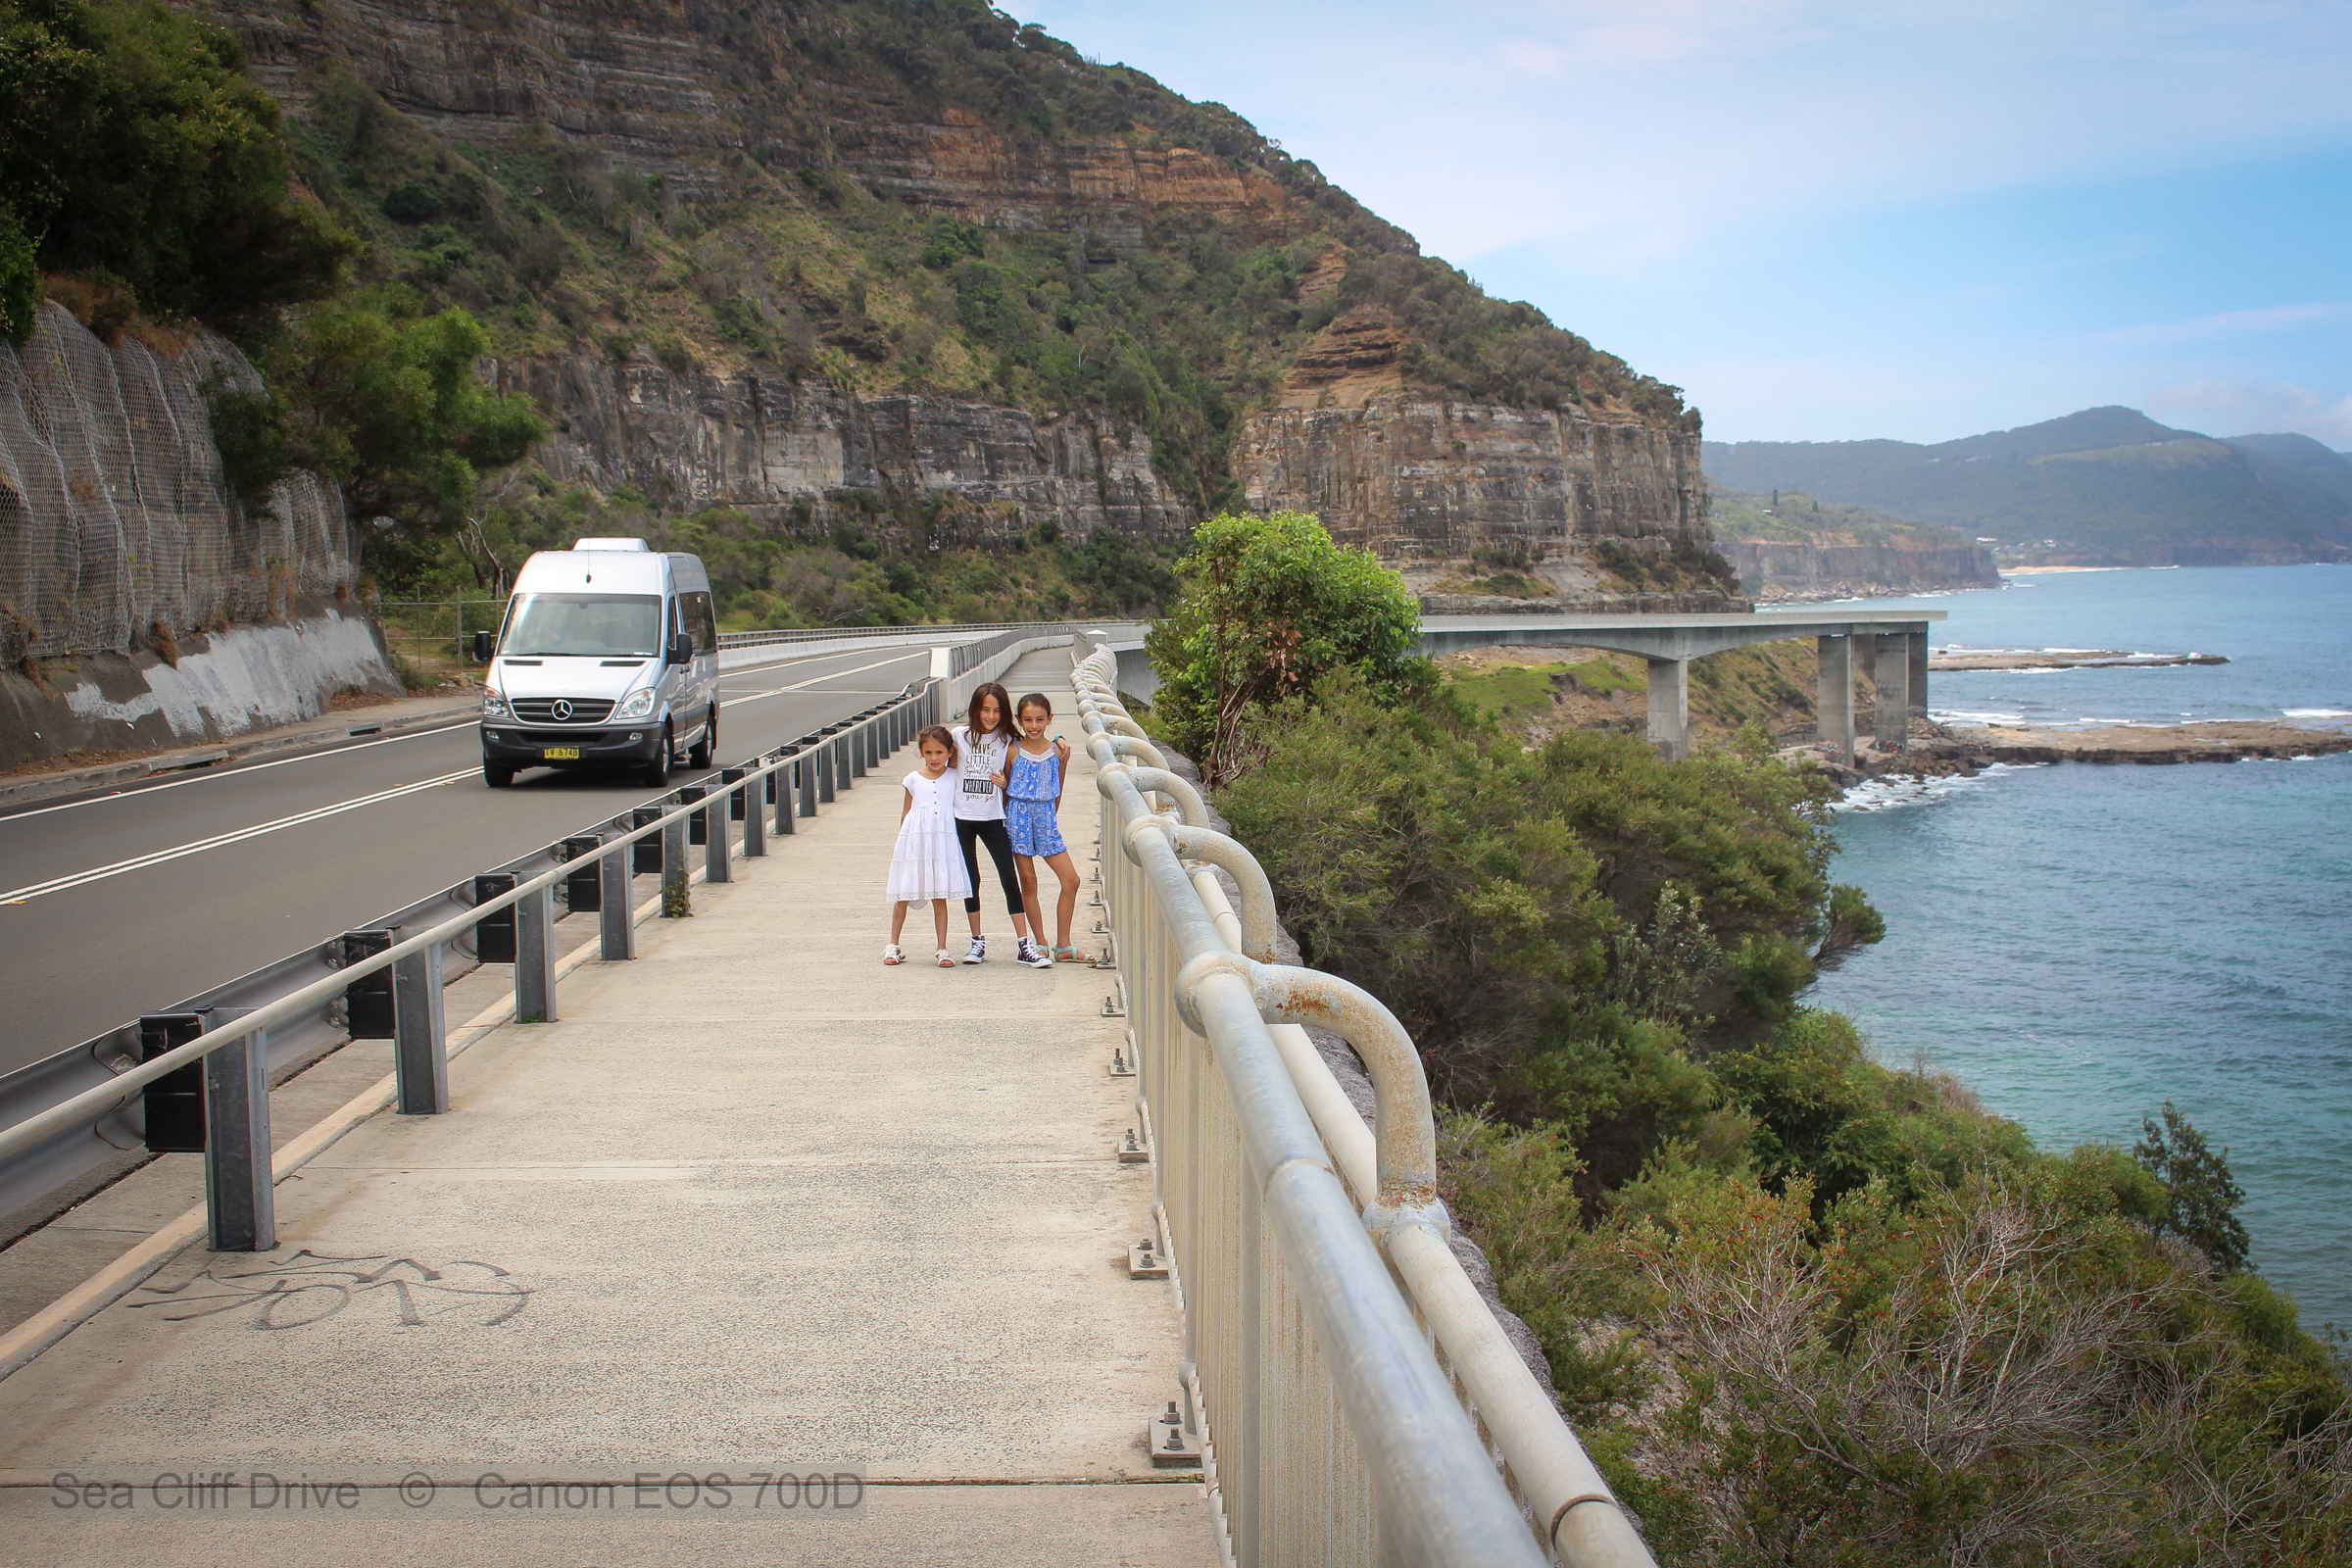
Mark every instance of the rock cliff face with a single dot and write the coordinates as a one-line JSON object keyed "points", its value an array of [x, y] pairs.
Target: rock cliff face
{"points": [[116, 529], [1773, 569], [700, 95], [1416, 477], [784, 451]]}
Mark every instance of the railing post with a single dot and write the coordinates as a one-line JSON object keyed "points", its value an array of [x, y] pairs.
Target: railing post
{"points": [[824, 772], [715, 864], [420, 1037], [748, 800], [673, 861], [617, 922], [535, 957], [240, 1201], [788, 797], [804, 781]]}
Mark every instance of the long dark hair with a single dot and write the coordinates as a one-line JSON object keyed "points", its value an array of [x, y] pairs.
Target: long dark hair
{"points": [[1004, 724]]}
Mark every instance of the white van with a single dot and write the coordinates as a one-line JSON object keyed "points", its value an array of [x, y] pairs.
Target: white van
{"points": [[609, 657]]}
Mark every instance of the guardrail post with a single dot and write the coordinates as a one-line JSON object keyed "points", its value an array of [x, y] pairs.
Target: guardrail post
{"points": [[824, 772], [713, 818], [840, 747], [673, 861], [421, 1037], [786, 795], [730, 779], [616, 924], [754, 812], [175, 1102], [535, 957], [367, 1001], [697, 824], [238, 1198], [804, 780]]}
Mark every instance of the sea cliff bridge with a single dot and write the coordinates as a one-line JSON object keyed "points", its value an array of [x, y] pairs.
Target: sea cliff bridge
{"points": [[711, 1238]]}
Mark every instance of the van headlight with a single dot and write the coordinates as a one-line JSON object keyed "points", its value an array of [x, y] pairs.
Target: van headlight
{"points": [[494, 703], [637, 705]]}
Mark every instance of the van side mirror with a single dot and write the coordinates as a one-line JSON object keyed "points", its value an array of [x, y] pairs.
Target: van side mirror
{"points": [[485, 643], [681, 649]]}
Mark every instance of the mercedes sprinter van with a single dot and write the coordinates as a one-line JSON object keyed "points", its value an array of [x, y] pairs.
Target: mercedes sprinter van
{"points": [[609, 657]]}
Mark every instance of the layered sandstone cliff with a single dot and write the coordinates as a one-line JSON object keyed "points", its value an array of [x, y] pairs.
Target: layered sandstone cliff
{"points": [[1784, 570], [1417, 477], [786, 452]]}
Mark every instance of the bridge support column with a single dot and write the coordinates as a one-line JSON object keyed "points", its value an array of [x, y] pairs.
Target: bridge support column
{"points": [[1919, 672], [1834, 694], [1893, 677], [1670, 708]]}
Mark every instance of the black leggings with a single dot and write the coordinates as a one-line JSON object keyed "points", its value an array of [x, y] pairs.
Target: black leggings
{"points": [[1000, 850]]}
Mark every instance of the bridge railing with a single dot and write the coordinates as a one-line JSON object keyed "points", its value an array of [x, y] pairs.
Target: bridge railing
{"points": [[232, 1055], [1354, 1396], [912, 633]]}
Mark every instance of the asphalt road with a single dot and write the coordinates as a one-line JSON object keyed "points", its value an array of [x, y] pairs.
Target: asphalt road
{"points": [[125, 904]]}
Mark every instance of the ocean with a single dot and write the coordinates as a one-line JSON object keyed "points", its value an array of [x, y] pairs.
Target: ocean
{"points": [[2081, 942]]}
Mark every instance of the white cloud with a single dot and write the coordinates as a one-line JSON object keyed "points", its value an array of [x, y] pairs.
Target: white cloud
{"points": [[2255, 408], [2227, 323]]}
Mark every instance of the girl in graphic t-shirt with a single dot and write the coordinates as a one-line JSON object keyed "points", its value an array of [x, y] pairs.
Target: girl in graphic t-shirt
{"points": [[983, 755]]}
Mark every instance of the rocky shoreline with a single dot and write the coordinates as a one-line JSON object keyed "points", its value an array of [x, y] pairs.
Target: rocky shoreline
{"points": [[1942, 751], [2014, 659]]}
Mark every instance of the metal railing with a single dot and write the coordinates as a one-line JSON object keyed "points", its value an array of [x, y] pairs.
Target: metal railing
{"points": [[1354, 1396], [790, 781], [912, 633]]}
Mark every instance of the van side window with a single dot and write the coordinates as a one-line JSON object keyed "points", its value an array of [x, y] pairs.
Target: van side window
{"points": [[702, 621]]}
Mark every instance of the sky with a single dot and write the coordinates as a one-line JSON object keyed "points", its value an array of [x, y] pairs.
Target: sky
{"points": [[1916, 218]]}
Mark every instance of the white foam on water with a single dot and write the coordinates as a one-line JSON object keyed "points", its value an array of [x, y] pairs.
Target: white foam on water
{"points": [[1962, 715], [1902, 790], [2319, 712]]}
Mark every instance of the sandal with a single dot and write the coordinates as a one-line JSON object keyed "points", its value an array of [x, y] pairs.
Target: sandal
{"points": [[946, 959], [890, 954], [1068, 956]]}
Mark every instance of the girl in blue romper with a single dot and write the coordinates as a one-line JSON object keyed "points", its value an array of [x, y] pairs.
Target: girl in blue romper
{"points": [[1032, 793]]}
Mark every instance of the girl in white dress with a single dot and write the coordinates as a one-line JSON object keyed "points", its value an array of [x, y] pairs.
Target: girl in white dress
{"points": [[926, 864]]}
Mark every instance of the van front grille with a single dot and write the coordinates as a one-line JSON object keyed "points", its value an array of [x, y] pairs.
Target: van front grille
{"points": [[577, 709]]}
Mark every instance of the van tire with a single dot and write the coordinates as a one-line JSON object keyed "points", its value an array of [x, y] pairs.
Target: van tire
{"points": [[708, 747], [657, 772], [497, 777]]}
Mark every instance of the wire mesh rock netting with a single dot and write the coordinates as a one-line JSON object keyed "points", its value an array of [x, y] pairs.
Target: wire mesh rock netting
{"points": [[115, 517]]}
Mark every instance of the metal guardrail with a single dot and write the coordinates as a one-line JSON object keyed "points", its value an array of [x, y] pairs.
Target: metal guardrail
{"points": [[1356, 1398], [232, 1048], [913, 633]]}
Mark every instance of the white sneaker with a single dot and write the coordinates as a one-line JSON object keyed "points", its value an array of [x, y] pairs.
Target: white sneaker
{"points": [[978, 952], [1035, 956]]}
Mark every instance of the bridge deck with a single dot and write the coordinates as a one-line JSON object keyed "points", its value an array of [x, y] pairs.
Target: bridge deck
{"points": [[755, 1203]]}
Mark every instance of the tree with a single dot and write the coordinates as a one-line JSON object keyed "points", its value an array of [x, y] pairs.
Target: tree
{"points": [[387, 407], [133, 143], [20, 281], [1270, 605], [2203, 1211]]}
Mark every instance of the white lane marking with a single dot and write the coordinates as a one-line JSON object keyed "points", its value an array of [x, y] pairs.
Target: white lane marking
{"points": [[233, 769], [139, 863]]}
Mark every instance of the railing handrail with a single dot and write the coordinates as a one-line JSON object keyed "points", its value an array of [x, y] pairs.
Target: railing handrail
{"points": [[1565, 1498], [47, 1123]]}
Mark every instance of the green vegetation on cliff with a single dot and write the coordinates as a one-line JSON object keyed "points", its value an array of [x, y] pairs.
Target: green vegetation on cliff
{"points": [[1792, 516], [1805, 1307]]}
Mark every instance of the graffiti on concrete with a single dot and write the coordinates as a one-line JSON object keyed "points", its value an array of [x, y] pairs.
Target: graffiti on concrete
{"points": [[306, 1288]]}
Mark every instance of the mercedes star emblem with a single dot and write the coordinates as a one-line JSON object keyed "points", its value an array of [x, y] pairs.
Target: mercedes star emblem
{"points": [[562, 708]]}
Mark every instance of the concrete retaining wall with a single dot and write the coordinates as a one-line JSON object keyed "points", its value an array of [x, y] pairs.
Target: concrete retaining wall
{"points": [[223, 684]]}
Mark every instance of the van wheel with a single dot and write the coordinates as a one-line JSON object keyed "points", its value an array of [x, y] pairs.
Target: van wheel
{"points": [[497, 777], [708, 747], [657, 772]]}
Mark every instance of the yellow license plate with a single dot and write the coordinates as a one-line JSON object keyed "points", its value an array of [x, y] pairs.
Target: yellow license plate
{"points": [[560, 754]]}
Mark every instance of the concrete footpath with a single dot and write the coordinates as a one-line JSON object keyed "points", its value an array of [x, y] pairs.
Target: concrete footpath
{"points": [[754, 1209]]}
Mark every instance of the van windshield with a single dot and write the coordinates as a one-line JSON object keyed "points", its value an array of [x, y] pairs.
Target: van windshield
{"points": [[592, 625]]}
